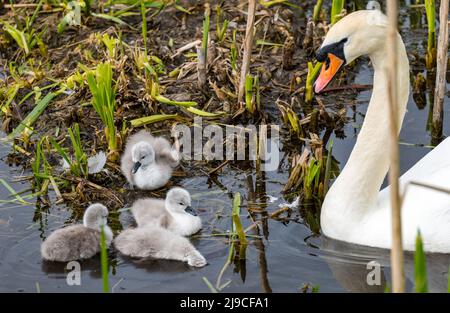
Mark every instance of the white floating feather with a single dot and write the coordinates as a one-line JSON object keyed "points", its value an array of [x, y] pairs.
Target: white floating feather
{"points": [[96, 163], [291, 205]]}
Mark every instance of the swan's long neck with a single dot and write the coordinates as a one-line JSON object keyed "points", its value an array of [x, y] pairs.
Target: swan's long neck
{"points": [[355, 190]]}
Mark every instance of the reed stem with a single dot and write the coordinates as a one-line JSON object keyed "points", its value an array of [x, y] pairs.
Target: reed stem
{"points": [[248, 45], [397, 258], [441, 69], [317, 9]]}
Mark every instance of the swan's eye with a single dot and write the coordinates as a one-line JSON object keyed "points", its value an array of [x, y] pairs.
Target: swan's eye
{"points": [[142, 157], [181, 203]]}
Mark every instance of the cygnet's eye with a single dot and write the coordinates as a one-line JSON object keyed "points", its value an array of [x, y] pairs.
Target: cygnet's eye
{"points": [[181, 203], [142, 157]]}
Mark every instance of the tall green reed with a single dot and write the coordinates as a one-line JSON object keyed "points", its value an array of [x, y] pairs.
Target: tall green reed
{"points": [[100, 83], [104, 261], [336, 9], [220, 29], [312, 73], [430, 58], [78, 164], [233, 52], [420, 266], [40, 167], [144, 25], [317, 10]]}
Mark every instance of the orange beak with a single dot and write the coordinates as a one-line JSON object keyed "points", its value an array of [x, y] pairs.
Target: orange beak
{"points": [[329, 70]]}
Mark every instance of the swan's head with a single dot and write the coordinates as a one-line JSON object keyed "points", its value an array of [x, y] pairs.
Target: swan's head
{"points": [[142, 154], [359, 33], [178, 200], [96, 216]]}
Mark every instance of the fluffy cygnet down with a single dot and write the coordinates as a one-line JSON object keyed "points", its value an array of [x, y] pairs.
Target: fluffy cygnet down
{"points": [[148, 161], [155, 242], [174, 213], [80, 241]]}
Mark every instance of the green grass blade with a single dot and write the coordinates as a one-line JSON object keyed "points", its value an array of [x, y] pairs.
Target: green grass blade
{"points": [[420, 266], [236, 219], [336, 8], [104, 261], [13, 192], [448, 285], [111, 18], [165, 100], [249, 93], [60, 150], [328, 167], [33, 115], [210, 286], [317, 9], [151, 119], [204, 113], [206, 23], [144, 26], [313, 71]]}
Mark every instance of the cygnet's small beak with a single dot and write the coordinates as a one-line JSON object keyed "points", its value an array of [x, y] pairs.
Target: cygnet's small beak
{"points": [[136, 166], [190, 210]]}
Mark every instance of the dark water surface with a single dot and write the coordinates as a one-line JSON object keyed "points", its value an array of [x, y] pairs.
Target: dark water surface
{"points": [[284, 261]]}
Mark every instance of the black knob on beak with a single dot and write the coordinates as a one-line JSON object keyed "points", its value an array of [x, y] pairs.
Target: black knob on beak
{"points": [[190, 210]]}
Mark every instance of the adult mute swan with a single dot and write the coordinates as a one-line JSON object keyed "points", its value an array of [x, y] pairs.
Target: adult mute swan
{"points": [[354, 209]]}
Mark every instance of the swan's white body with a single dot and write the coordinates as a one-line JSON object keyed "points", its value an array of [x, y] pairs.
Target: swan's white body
{"points": [[354, 210]]}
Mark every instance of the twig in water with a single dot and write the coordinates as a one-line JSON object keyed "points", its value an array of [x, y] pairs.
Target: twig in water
{"points": [[248, 45], [271, 215], [397, 258], [441, 69]]}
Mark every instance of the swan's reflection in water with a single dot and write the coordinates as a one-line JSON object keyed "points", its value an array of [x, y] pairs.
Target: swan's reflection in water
{"points": [[349, 265]]}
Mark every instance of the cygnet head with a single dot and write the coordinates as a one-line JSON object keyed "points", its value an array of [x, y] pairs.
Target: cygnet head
{"points": [[142, 154], [359, 33], [96, 216], [178, 200]]}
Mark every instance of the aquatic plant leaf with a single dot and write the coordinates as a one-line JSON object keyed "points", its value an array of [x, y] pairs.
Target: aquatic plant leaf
{"points": [[151, 119], [33, 115], [448, 274], [210, 286], [110, 18], [104, 261], [18, 36], [261, 42], [336, 8], [204, 113], [236, 219], [420, 266], [165, 100], [268, 4], [13, 192]]}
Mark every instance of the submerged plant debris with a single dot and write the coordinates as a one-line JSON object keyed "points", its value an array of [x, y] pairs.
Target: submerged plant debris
{"points": [[57, 59]]}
